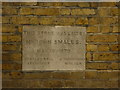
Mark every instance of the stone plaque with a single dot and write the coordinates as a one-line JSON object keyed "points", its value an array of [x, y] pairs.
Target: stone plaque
{"points": [[53, 48]]}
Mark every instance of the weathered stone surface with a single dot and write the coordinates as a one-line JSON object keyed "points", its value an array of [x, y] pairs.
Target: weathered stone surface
{"points": [[53, 48]]}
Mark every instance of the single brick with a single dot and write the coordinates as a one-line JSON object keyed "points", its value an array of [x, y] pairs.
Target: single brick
{"points": [[34, 20], [81, 21], [7, 28], [64, 11], [94, 20], [91, 47], [103, 48], [13, 83], [91, 74], [36, 75], [115, 29], [98, 65], [26, 11], [102, 38], [105, 57], [5, 19], [105, 29], [12, 75], [65, 21], [114, 11], [46, 20], [11, 67], [103, 11], [111, 75], [70, 83], [8, 10], [53, 83], [13, 56], [107, 4], [114, 47], [109, 20], [11, 38], [20, 20], [82, 12], [9, 47], [46, 11], [92, 29], [88, 56]]}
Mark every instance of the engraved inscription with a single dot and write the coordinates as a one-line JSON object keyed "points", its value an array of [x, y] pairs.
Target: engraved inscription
{"points": [[53, 48]]}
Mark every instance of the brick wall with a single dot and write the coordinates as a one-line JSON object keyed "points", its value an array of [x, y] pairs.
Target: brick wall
{"points": [[101, 22]]}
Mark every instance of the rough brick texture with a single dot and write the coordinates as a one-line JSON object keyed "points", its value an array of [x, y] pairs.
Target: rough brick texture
{"points": [[101, 22]]}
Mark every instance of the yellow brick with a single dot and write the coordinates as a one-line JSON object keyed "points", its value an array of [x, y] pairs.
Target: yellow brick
{"points": [[8, 28], [5, 19], [20, 20], [11, 38], [14, 57], [112, 75], [83, 4], [103, 11], [9, 47], [98, 65], [8, 10], [12, 75], [114, 11], [64, 11], [114, 47], [91, 74], [92, 29], [109, 20], [81, 21], [27, 3], [11, 67], [103, 47], [94, 20], [107, 4], [46, 20], [46, 11], [115, 66], [37, 75], [105, 29], [34, 20], [20, 28], [105, 57], [88, 56], [70, 4], [115, 29], [26, 11], [82, 12], [91, 47], [102, 38], [65, 21]]}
